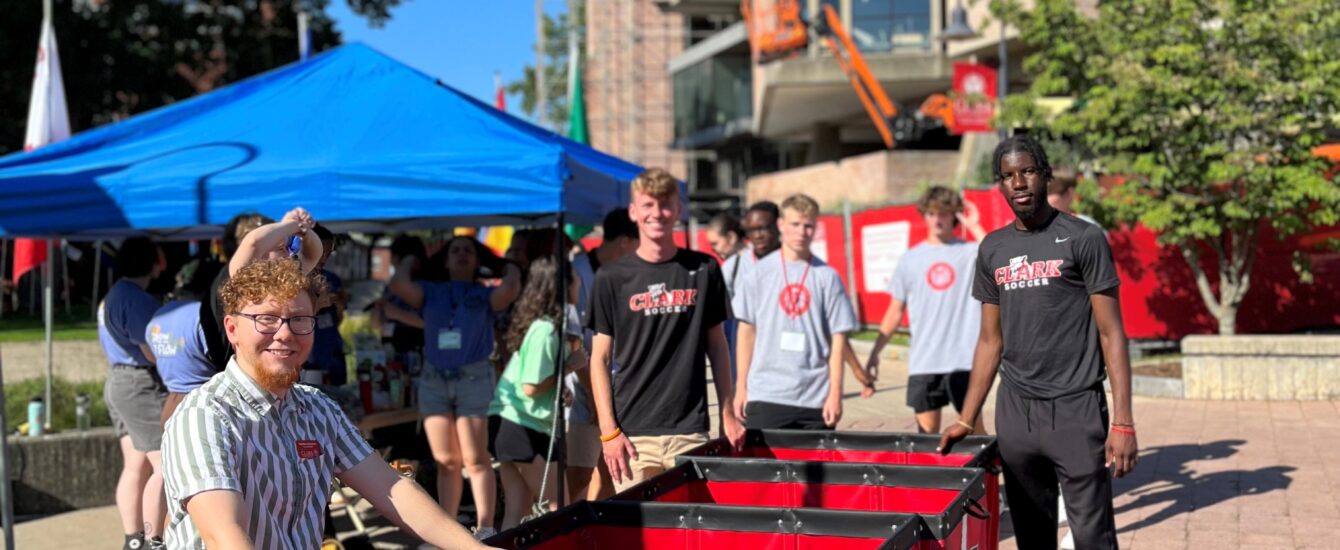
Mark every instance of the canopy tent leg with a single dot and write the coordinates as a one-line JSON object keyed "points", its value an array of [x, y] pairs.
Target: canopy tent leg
{"points": [[97, 277], [6, 496], [560, 421], [65, 275], [4, 259]]}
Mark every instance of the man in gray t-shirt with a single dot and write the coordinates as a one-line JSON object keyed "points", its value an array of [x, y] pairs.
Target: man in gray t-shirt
{"points": [[933, 282], [794, 316]]}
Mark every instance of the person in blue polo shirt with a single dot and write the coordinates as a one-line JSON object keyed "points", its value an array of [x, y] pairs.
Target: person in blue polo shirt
{"points": [[134, 393], [177, 338], [456, 386]]}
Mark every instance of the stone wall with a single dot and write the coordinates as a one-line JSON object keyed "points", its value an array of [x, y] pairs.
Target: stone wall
{"points": [[63, 472], [1261, 367], [76, 361], [872, 179]]}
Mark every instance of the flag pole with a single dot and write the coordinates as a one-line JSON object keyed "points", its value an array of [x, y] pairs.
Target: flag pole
{"points": [[47, 306], [46, 297], [304, 39], [541, 93]]}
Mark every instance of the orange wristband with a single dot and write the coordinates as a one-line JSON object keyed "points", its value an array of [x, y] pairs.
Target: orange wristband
{"points": [[1122, 430], [608, 438]]}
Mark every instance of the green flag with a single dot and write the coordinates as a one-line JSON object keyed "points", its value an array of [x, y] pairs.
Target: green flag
{"points": [[576, 99], [576, 118]]}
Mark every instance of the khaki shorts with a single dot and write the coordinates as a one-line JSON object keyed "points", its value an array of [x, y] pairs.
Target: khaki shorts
{"points": [[656, 453], [583, 444]]}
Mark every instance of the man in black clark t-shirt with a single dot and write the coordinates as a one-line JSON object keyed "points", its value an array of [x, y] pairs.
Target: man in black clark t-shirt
{"points": [[1052, 321], [659, 311]]}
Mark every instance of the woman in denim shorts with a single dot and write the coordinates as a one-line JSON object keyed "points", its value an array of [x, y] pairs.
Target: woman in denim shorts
{"points": [[457, 381]]}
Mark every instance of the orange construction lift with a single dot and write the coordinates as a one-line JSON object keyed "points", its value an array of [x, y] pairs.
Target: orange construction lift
{"points": [[777, 30]]}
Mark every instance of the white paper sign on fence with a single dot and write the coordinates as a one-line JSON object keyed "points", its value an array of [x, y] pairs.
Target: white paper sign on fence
{"points": [[882, 245]]}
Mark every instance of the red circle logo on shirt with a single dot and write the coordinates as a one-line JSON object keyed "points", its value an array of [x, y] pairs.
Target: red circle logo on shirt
{"points": [[940, 276], [795, 300]]}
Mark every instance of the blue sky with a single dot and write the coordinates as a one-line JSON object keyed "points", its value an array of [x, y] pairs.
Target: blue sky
{"points": [[461, 43]]}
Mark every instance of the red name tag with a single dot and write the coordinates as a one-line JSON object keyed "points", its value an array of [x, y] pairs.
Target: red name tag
{"points": [[308, 448]]}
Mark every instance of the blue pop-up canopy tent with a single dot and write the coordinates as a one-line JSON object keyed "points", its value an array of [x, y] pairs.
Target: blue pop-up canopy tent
{"points": [[362, 141]]}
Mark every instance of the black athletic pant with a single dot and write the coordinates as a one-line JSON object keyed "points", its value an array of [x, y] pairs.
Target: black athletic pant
{"points": [[762, 415], [1043, 441]]}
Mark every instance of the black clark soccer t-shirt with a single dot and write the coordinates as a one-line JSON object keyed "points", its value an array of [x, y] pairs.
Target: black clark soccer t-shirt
{"points": [[659, 315], [1042, 280]]}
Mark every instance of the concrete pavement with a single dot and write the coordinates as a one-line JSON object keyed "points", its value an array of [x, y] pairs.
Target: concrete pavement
{"points": [[1213, 474]]}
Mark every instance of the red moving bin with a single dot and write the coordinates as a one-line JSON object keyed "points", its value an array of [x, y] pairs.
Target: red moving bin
{"points": [[947, 499], [975, 451], [612, 525]]}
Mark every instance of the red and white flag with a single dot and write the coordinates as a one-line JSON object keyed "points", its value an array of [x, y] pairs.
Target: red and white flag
{"points": [[48, 122], [499, 92]]}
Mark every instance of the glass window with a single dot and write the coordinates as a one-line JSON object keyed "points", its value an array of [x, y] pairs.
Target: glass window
{"points": [[891, 25], [711, 93]]}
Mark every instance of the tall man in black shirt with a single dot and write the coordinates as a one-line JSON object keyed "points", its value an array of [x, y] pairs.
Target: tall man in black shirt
{"points": [[660, 310], [1051, 320]]}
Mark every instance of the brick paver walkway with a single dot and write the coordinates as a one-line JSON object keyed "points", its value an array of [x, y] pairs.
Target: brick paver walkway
{"points": [[1217, 475]]}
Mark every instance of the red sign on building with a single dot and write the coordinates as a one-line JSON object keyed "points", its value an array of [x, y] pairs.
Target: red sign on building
{"points": [[974, 98]]}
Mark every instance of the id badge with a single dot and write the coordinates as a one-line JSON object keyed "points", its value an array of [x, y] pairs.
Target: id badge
{"points": [[449, 339], [388, 329], [793, 341]]}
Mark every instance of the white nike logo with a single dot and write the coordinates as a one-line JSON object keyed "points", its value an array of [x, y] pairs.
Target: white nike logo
{"points": [[1060, 240]]}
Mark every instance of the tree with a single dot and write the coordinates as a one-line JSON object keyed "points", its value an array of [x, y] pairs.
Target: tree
{"points": [[121, 57], [1208, 109], [556, 60]]}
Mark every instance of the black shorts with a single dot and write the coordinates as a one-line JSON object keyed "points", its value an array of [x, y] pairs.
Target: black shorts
{"points": [[762, 415], [930, 392], [512, 442]]}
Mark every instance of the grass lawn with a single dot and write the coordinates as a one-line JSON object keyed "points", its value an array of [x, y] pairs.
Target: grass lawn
{"points": [[63, 393], [20, 327]]}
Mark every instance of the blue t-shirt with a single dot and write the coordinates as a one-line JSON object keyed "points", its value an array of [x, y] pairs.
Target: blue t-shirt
{"points": [[179, 344], [457, 324], [121, 320], [327, 345]]}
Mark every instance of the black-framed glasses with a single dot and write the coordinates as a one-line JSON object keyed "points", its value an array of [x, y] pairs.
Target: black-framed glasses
{"points": [[269, 324]]}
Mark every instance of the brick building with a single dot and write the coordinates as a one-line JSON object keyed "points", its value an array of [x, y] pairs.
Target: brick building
{"points": [[629, 44]]}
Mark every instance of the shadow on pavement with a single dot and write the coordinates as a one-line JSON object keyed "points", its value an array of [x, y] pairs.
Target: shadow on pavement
{"points": [[1168, 484]]}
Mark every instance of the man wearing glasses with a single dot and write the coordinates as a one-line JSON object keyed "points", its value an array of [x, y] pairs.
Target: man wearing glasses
{"points": [[249, 456]]}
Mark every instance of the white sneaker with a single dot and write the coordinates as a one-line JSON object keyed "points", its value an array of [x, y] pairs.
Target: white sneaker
{"points": [[1068, 543], [482, 533]]}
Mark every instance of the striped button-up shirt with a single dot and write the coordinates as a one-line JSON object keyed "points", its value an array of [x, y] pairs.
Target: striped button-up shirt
{"points": [[233, 435]]}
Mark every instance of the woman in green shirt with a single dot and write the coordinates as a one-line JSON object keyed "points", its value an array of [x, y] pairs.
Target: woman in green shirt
{"points": [[522, 414]]}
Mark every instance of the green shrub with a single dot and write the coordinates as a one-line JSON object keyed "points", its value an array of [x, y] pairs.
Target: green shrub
{"points": [[17, 395]]}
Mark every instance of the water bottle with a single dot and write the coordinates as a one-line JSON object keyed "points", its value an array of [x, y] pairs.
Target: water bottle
{"points": [[82, 420], [413, 363], [36, 416]]}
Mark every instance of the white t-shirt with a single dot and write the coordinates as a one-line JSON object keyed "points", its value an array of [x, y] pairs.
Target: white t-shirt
{"points": [[935, 281]]}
